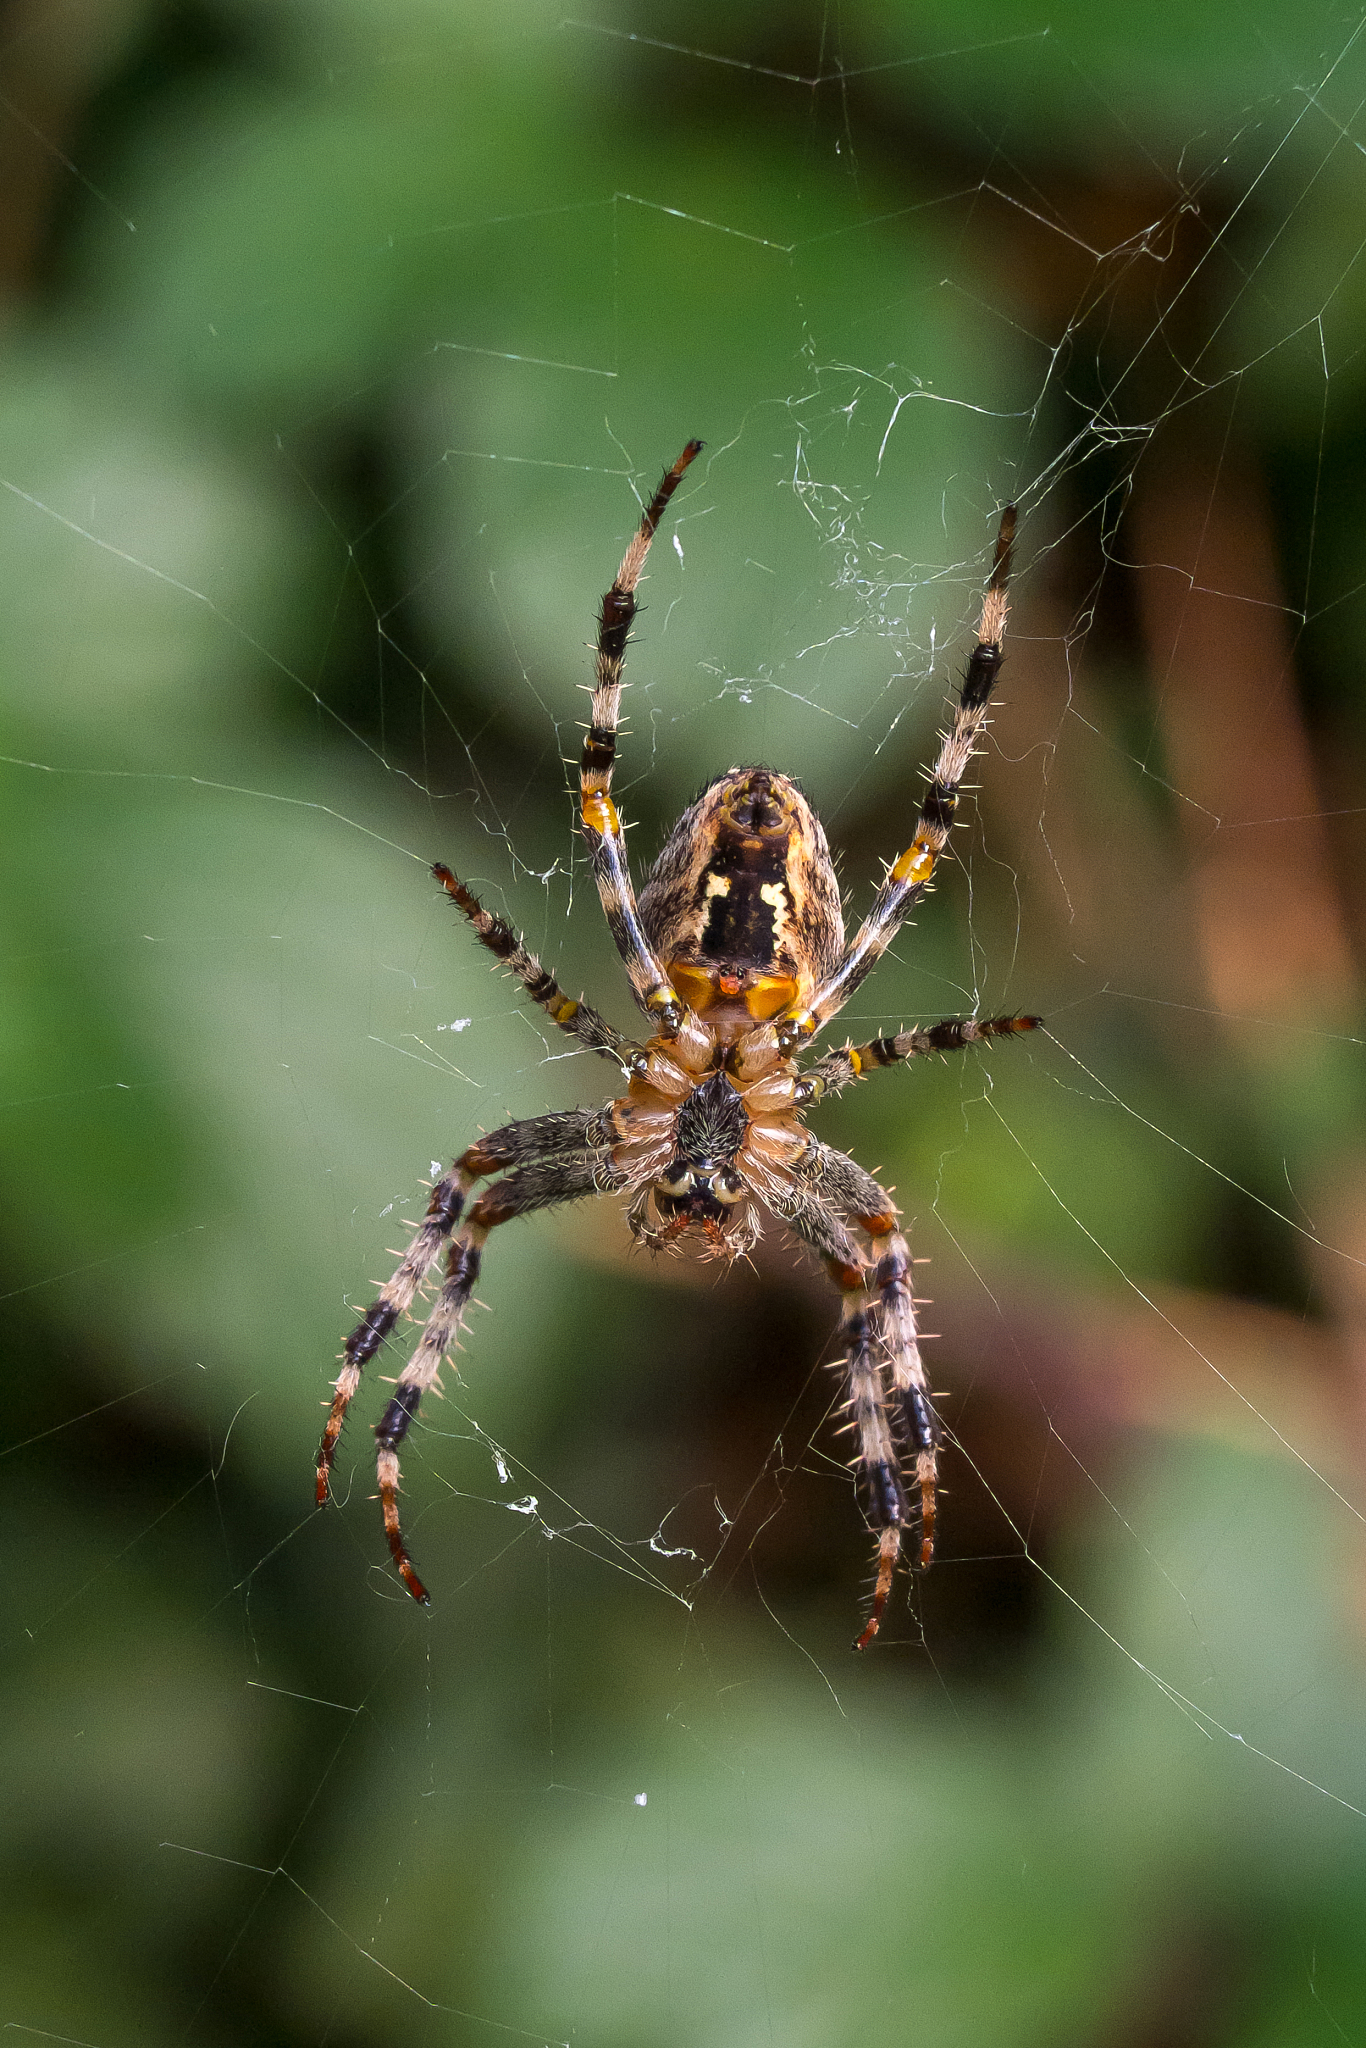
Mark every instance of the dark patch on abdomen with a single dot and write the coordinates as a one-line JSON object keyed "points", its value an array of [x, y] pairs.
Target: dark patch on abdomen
{"points": [[740, 927]]}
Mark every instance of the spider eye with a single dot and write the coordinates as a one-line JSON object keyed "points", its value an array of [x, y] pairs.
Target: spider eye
{"points": [[728, 1186], [676, 1179]]}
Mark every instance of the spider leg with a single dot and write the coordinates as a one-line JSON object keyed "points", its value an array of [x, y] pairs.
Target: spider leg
{"points": [[579, 1019], [809, 1209], [911, 1388], [855, 1062], [536, 1137], [601, 824], [831, 1191], [908, 878], [885, 1502], [538, 1185]]}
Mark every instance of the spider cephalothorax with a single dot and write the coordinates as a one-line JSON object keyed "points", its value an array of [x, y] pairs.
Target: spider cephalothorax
{"points": [[701, 1187], [736, 954]]}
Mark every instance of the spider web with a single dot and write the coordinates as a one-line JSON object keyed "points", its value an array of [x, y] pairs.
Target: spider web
{"points": [[346, 344]]}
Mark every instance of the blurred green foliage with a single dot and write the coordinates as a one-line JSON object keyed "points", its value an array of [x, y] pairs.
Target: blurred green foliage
{"points": [[339, 339]]}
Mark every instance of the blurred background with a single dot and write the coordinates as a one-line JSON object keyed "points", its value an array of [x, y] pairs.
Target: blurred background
{"points": [[340, 344]]}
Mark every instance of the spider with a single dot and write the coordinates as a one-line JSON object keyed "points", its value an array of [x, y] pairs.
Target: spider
{"points": [[736, 954]]}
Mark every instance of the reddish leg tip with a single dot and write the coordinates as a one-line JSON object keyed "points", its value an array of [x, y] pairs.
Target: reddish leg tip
{"points": [[398, 1549], [414, 1584], [888, 1550], [325, 1454]]}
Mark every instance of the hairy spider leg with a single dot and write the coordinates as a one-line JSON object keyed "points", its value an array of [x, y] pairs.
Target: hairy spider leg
{"points": [[537, 1137], [830, 1192], [579, 1019], [824, 1192], [539, 1185], [901, 1339], [874, 1213], [885, 1502], [908, 878], [851, 1063], [602, 829]]}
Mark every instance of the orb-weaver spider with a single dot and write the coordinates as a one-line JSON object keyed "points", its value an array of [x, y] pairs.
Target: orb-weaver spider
{"points": [[736, 954]]}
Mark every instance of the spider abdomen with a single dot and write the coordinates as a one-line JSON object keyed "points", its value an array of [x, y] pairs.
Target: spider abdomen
{"points": [[742, 904]]}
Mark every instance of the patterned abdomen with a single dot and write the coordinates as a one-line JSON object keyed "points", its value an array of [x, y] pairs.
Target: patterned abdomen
{"points": [[742, 903]]}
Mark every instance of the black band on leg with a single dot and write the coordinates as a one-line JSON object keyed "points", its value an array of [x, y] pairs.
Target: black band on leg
{"points": [[392, 1426], [370, 1332], [980, 679], [885, 1503]]}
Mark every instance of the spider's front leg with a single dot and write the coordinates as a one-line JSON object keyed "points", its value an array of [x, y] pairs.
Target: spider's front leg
{"points": [[908, 877], [602, 829]]}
